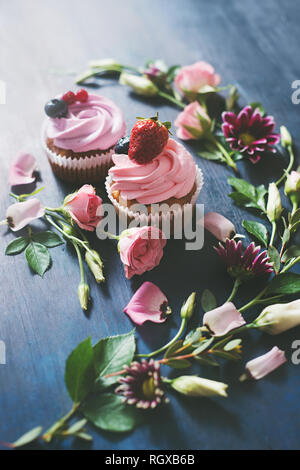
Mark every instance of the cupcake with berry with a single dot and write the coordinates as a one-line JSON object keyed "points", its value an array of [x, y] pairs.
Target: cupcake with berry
{"points": [[153, 170], [79, 135]]}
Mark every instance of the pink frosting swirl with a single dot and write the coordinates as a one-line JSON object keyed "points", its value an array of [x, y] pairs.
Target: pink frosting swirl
{"points": [[171, 174], [96, 124]]}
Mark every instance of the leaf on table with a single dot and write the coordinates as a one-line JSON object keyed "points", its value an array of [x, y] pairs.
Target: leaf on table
{"points": [[247, 195], [285, 283], [286, 236], [28, 437], [208, 301], [110, 413], [112, 353], [47, 238], [38, 258], [79, 371], [16, 246], [275, 258], [258, 230]]}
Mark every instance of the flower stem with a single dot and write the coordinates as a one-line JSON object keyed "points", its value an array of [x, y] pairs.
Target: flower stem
{"points": [[171, 99], [274, 228], [225, 154], [80, 262], [48, 435], [254, 301], [166, 346], [236, 285], [289, 167], [290, 265]]}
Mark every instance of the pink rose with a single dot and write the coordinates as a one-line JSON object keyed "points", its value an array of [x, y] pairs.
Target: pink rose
{"points": [[190, 122], [193, 78], [84, 207], [141, 249]]}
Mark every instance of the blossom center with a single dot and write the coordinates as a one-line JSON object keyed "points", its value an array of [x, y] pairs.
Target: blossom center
{"points": [[247, 138], [149, 388]]}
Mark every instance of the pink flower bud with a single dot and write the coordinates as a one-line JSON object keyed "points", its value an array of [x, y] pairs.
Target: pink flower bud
{"points": [[223, 319], [84, 207], [196, 77], [192, 122], [261, 366], [20, 214]]}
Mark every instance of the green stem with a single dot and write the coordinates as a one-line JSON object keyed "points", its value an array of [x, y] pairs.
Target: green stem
{"points": [[236, 285], [166, 346], [171, 99], [254, 301], [290, 265], [47, 436], [80, 262], [289, 167], [274, 227], [224, 152]]}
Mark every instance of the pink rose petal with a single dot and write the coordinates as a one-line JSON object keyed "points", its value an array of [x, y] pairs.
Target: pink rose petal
{"points": [[263, 365], [149, 303], [223, 319], [22, 169], [219, 226], [22, 213]]}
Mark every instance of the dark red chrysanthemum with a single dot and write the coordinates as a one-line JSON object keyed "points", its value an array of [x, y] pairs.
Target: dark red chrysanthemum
{"points": [[142, 386], [247, 265], [249, 132]]}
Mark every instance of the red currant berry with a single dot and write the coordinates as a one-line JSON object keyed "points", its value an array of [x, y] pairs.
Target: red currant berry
{"points": [[82, 95], [69, 97]]}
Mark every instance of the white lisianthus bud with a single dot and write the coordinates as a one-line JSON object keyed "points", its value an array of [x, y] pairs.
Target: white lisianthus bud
{"points": [[195, 386], [188, 307], [286, 138], [140, 84], [95, 264], [83, 295], [292, 186], [274, 207], [278, 318]]}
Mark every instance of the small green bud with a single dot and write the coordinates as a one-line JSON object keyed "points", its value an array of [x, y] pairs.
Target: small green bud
{"points": [[95, 264], [83, 295], [188, 307], [140, 84], [68, 230], [292, 187], [194, 386], [286, 138], [274, 207]]}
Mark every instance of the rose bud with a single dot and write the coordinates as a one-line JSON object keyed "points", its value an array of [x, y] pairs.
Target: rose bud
{"points": [[83, 295], [278, 318], [194, 386], [196, 78], [193, 122], [84, 207], [95, 264], [261, 366], [188, 307], [274, 207], [292, 187], [140, 84]]}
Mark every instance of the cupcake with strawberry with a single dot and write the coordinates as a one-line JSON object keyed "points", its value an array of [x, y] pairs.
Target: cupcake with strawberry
{"points": [[80, 134], [153, 170]]}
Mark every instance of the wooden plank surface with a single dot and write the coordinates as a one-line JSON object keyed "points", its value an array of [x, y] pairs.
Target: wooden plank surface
{"points": [[252, 44]]}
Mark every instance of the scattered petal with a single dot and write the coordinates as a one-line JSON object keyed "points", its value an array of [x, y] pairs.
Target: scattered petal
{"points": [[261, 366], [223, 319], [20, 214], [148, 303], [21, 170], [219, 226]]}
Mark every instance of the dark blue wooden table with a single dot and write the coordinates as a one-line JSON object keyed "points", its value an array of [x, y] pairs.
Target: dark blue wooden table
{"points": [[252, 44]]}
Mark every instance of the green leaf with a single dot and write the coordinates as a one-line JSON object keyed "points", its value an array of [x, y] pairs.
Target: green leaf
{"points": [[178, 364], [242, 201], [261, 191], [285, 283], [79, 372], [203, 346], [207, 361], [208, 301], [76, 426], [173, 348], [256, 229], [47, 238], [275, 258], [193, 337], [16, 246], [243, 187], [108, 412], [38, 258], [84, 436], [232, 344], [112, 353], [292, 252], [28, 437], [230, 356], [217, 156], [286, 236], [296, 217], [257, 104]]}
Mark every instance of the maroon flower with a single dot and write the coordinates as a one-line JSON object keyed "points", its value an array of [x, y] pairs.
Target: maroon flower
{"points": [[247, 265], [249, 132], [141, 387]]}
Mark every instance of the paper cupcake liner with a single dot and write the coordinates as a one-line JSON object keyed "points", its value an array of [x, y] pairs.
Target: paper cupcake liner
{"points": [[158, 219], [89, 169]]}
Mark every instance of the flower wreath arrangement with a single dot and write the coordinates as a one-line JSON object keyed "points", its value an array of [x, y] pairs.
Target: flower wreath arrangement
{"points": [[110, 384]]}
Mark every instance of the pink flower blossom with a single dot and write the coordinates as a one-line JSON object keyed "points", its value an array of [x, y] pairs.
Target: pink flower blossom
{"points": [[261, 366], [189, 122], [193, 78], [21, 170], [223, 319], [219, 226], [148, 303], [84, 207], [20, 214], [141, 249]]}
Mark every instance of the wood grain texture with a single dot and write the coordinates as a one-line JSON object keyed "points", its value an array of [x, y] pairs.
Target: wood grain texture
{"points": [[252, 44]]}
